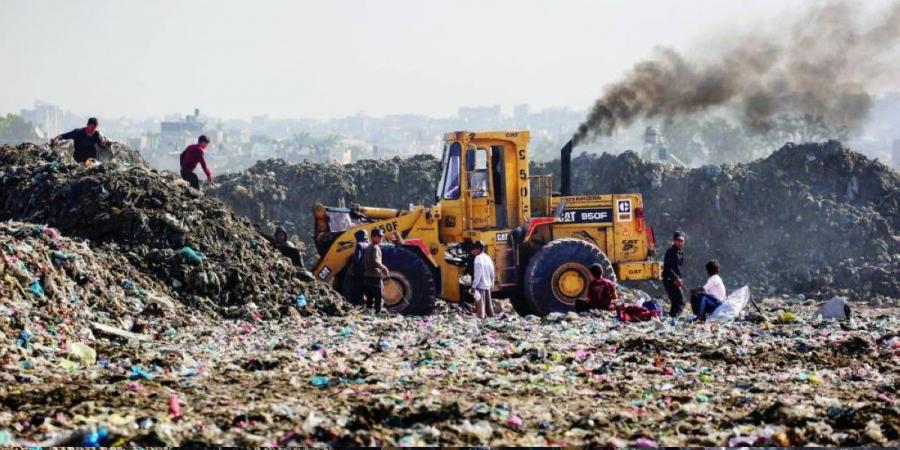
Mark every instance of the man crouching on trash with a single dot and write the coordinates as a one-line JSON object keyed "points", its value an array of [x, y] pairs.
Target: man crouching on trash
{"points": [[705, 300], [601, 293]]}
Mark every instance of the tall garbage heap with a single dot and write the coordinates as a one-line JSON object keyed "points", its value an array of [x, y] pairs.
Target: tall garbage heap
{"points": [[194, 246], [813, 219]]}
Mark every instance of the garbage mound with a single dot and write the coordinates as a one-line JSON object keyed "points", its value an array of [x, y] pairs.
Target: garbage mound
{"points": [[274, 192], [63, 153], [563, 380], [56, 293], [813, 218], [194, 245]]}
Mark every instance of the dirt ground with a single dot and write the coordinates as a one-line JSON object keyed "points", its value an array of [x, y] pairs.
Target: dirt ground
{"points": [[451, 380]]}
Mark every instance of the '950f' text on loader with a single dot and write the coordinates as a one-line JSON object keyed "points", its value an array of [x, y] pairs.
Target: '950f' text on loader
{"points": [[542, 243]]}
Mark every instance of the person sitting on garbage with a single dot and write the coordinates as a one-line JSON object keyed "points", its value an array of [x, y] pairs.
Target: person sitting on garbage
{"points": [[374, 272], [191, 156], [287, 248], [601, 293], [705, 300], [483, 277], [357, 271], [671, 275], [86, 141]]}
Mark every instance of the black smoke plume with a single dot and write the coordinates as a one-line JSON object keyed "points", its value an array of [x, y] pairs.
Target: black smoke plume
{"points": [[821, 65]]}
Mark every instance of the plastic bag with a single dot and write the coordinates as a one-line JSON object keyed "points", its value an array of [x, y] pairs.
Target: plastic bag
{"points": [[733, 305]]}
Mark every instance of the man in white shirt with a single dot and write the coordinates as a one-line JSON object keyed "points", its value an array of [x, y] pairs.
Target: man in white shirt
{"points": [[705, 300], [482, 281]]}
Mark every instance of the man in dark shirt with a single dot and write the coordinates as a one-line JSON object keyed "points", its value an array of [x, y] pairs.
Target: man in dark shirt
{"points": [[671, 274], [86, 141], [190, 157], [357, 278], [601, 292], [375, 271]]}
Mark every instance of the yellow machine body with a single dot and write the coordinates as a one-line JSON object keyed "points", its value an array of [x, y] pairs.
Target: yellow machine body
{"points": [[487, 194]]}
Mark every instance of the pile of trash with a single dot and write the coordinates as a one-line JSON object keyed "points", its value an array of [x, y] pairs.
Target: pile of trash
{"points": [[276, 193], [814, 218], [780, 377], [56, 294], [195, 246], [62, 152]]}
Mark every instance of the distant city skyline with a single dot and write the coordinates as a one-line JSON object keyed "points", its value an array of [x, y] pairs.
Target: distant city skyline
{"points": [[506, 110], [335, 59]]}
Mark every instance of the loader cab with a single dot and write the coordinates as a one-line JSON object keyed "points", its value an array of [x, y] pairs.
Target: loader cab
{"points": [[483, 184]]}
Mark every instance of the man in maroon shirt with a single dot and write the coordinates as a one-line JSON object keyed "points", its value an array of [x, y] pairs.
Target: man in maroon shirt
{"points": [[190, 157], [601, 292]]}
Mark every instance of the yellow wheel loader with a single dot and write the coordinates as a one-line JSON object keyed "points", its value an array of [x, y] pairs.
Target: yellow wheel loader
{"points": [[542, 243]]}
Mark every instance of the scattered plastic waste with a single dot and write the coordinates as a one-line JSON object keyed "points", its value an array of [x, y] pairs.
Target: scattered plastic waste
{"points": [[279, 375], [137, 372], [733, 305], [192, 256], [82, 353], [174, 406], [837, 308], [786, 317], [35, 288]]}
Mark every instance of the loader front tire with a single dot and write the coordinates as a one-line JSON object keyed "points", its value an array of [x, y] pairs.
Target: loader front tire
{"points": [[558, 274], [521, 305], [409, 288]]}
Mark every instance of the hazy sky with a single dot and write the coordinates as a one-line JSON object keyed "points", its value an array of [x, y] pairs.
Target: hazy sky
{"points": [[334, 58]]}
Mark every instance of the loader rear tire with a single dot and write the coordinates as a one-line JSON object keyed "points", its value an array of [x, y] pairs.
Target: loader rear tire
{"points": [[558, 274]]}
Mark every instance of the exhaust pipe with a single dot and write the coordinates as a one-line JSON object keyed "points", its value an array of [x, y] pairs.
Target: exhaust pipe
{"points": [[565, 166]]}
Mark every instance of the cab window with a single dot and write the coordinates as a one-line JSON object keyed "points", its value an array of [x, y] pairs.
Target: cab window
{"points": [[477, 167], [450, 178]]}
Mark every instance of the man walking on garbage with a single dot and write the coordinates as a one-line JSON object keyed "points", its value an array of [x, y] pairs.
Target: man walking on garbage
{"points": [[374, 272], [482, 281], [705, 300], [357, 271], [86, 141], [671, 275], [191, 156], [601, 293]]}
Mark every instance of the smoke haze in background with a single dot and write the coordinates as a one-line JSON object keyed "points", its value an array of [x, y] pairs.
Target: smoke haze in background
{"points": [[821, 64]]}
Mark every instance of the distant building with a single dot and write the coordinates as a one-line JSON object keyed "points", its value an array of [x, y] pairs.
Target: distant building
{"points": [[337, 155], [174, 136], [480, 117], [46, 117], [136, 143], [520, 115]]}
